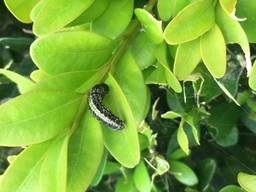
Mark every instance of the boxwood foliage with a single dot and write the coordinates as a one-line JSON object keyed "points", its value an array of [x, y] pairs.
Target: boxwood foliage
{"points": [[194, 54]]}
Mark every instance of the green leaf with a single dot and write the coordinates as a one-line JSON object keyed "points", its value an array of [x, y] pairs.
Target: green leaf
{"points": [[163, 8], [39, 75], [161, 75], [155, 75], [23, 119], [252, 78], [87, 85], [122, 144], [205, 81], [93, 12], [57, 9], [170, 8], [183, 173], [232, 188], [206, 171], [176, 102], [247, 181], [100, 171], [143, 50], [188, 189], [153, 27], [133, 88], [21, 9], [23, 83], [194, 124], [115, 19], [247, 9], [68, 81], [71, 51], [171, 115], [193, 21], [187, 58], [111, 168], [141, 178], [177, 155], [16, 44], [226, 91], [84, 154], [227, 133], [36, 10], [144, 142], [54, 167], [82, 27], [233, 33], [213, 52], [171, 80], [23, 174], [125, 185], [182, 138], [229, 6]]}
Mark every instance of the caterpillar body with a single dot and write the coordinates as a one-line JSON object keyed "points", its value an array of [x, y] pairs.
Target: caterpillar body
{"points": [[99, 111]]}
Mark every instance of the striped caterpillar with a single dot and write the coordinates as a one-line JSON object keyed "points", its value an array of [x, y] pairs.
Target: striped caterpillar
{"points": [[101, 113]]}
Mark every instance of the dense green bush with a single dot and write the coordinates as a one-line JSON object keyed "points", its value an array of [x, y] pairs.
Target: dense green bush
{"points": [[180, 75]]}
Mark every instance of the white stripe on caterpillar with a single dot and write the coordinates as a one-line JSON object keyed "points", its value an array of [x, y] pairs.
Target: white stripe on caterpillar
{"points": [[100, 111]]}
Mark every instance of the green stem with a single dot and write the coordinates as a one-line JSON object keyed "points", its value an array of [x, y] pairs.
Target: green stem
{"points": [[150, 5]]}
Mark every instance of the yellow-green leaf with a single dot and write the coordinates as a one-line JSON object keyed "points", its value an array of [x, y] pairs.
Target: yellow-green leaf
{"points": [[187, 58], [252, 78], [115, 19], [134, 88], [23, 175], [84, 154], [143, 50], [247, 181], [141, 178], [39, 75], [171, 80], [72, 81], [53, 172], [182, 138], [229, 7], [153, 27], [23, 119], [213, 52], [90, 14], [122, 144], [193, 21], [233, 33], [155, 75], [170, 115], [21, 9], [71, 51], [62, 11], [170, 8]]}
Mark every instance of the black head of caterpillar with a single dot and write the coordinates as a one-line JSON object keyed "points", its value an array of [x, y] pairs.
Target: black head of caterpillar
{"points": [[101, 113]]}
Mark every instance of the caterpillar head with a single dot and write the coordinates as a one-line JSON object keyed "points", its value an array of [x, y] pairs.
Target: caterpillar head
{"points": [[101, 89]]}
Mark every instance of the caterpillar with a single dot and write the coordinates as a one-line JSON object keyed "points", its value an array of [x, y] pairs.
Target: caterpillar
{"points": [[99, 111]]}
